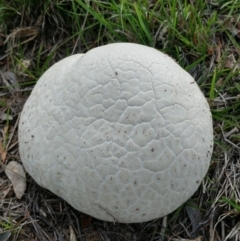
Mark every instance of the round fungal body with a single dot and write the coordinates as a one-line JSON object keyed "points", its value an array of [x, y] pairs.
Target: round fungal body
{"points": [[121, 133]]}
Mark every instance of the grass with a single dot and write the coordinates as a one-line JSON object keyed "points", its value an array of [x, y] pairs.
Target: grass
{"points": [[8, 225], [202, 36]]}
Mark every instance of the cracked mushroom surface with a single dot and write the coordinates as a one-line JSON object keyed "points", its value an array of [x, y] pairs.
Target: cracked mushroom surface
{"points": [[121, 133]]}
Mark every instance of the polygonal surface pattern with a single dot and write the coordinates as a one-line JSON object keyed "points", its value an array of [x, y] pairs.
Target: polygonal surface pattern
{"points": [[121, 133]]}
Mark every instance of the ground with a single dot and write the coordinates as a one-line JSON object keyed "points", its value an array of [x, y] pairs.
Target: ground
{"points": [[202, 36]]}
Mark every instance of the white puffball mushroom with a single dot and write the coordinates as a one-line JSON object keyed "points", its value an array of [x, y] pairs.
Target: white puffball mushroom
{"points": [[121, 133]]}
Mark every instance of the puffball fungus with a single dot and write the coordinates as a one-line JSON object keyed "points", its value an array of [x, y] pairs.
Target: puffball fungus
{"points": [[121, 133]]}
